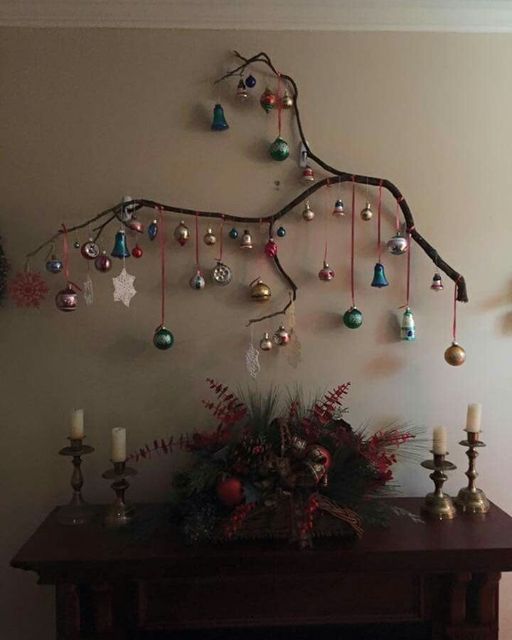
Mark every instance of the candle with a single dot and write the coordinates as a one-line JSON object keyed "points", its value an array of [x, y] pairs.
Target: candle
{"points": [[77, 424], [440, 441], [118, 444], [474, 417]]}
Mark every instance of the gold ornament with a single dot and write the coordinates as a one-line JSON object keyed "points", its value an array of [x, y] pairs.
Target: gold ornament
{"points": [[259, 290], [367, 213], [455, 355], [286, 101], [209, 237]]}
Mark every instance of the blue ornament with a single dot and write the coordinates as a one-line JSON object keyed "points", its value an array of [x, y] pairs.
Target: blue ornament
{"points": [[219, 120], [54, 265], [120, 249], [163, 338], [281, 232], [250, 82], [153, 230], [379, 277], [233, 234]]}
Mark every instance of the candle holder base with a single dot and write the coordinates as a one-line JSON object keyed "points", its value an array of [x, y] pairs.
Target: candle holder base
{"points": [[119, 515], [74, 514], [77, 512], [438, 507], [472, 502]]}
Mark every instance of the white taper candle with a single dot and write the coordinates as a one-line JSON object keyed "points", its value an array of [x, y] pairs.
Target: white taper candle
{"points": [[474, 418], [440, 441], [118, 444], [77, 424]]}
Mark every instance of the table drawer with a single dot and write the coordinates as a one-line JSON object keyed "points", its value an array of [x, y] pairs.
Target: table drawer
{"points": [[277, 600]]}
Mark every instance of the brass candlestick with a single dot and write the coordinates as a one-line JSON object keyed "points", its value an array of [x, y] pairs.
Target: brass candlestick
{"points": [[119, 514], [438, 505], [77, 511], [471, 500]]}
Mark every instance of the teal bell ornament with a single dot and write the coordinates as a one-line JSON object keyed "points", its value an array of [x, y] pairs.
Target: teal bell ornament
{"points": [[163, 338], [219, 119], [279, 149], [120, 249], [353, 318], [379, 276], [408, 328]]}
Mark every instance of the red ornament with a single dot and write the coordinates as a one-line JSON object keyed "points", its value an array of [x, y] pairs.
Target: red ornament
{"points": [[136, 225], [137, 251], [27, 289], [320, 455], [230, 491], [268, 100], [271, 248]]}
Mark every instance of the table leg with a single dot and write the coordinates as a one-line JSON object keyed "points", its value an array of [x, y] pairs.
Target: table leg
{"points": [[67, 611], [474, 607]]}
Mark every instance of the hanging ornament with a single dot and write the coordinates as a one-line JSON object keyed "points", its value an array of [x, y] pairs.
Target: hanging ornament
{"points": [[271, 248], [27, 289], [88, 290], [252, 360], [241, 91], [246, 242], [120, 249], [219, 120], [286, 101], [259, 290], [379, 276], [408, 328], [103, 263], [127, 210], [90, 250], [136, 225], [153, 230], [54, 264], [281, 336], [353, 318], [182, 233], [279, 149], [197, 281], [222, 274], [67, 299], [268, 100], [124, 289], [398, 244], [326, 274], [137, 251], [266, 342], [163, 338], [339, 209], [308, 213], [455, 355], [367, 213], [76, 244], [308, 174], [230, 491], [437, 282], [281, 232], [209, 238], [250, 81], [233, 234]]}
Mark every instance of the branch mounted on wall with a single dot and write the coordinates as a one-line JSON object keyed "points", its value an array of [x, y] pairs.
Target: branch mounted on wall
{"points": [[113, 214]]}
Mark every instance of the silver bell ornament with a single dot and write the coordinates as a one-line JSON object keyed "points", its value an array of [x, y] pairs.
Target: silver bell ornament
{"points": [[241, 91], [437, 282], [266, 342], [398, 244], [326, 274], [246, 242], [221, 274], [281, 336], [197, 281], [367, 213], [209, 237], [308, 213], [408, 328], [182, 233], [339, 209], [307, 174]]}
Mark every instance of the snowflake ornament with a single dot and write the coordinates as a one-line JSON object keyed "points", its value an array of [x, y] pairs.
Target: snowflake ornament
{"points": [[28, 289], [88, 291], [123, 287], [252, 361]]}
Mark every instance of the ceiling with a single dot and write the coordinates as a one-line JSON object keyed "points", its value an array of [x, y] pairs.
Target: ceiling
{"points": [[330, 15]]}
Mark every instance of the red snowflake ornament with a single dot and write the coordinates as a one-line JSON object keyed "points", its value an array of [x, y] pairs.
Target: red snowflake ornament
{"points": [[27, 289]]}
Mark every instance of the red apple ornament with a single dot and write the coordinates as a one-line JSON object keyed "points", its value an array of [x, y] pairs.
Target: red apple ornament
{"points": [[230, 491]]}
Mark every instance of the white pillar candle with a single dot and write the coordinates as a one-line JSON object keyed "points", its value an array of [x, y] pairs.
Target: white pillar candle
{"points": [[440, 441], [118, 444], [474, 417], [77, 424]]}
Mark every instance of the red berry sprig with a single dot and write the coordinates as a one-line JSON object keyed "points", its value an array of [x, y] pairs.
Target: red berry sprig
{"points": [[237, 519]]}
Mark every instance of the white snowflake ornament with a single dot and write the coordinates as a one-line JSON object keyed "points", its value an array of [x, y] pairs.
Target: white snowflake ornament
{"points": [[88, 291], [123, 287]]}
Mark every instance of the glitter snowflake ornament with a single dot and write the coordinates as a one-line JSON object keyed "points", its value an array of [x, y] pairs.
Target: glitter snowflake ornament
{"points": [[252, 361], [123, 287], [28, 289], [88, 291]]}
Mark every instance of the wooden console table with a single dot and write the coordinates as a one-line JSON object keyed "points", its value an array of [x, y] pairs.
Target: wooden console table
{"points": [[444, 576]]}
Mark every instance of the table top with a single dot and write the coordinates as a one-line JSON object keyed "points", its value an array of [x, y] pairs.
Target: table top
{"points": [[463, 544]]}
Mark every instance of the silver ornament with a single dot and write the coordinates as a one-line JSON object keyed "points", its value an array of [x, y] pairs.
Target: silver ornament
{"points": [[182, 233], [209, 238], [266, 342], [367, 213], [246, 242], [221, 274], [308, 213], [281, 336], [398, 244], [197, 281], [90, 250]]}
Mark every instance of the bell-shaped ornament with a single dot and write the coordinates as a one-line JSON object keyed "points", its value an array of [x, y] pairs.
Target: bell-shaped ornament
{"points": [[437, 282], [279, 149], [120, 249], [182, 233], [219, 120], [266, 342], [246, 242], [197, 281], [307, 213], [241, 91], [379, 276], [153, 230], [259, 290], [367, 213], [398, 244], [281, 336], [308, 174], [339, 209], [326, 273], [408, 328]]}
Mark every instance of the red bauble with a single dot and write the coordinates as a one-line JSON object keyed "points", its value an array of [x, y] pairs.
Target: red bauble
{"points": [[230, 491], [268, 100], [320, 454], [137, 251], [271, 248]]}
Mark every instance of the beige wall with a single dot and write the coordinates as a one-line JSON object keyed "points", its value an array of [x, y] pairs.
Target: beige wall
{"points": [[88, 116]]}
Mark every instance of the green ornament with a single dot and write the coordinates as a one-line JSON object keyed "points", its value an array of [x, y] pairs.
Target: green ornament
{"points": [[279, 149], [163, 338], [353, 318]]}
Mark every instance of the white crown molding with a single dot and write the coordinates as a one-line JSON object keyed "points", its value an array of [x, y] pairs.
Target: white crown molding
{"points": [[268, 15]]}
